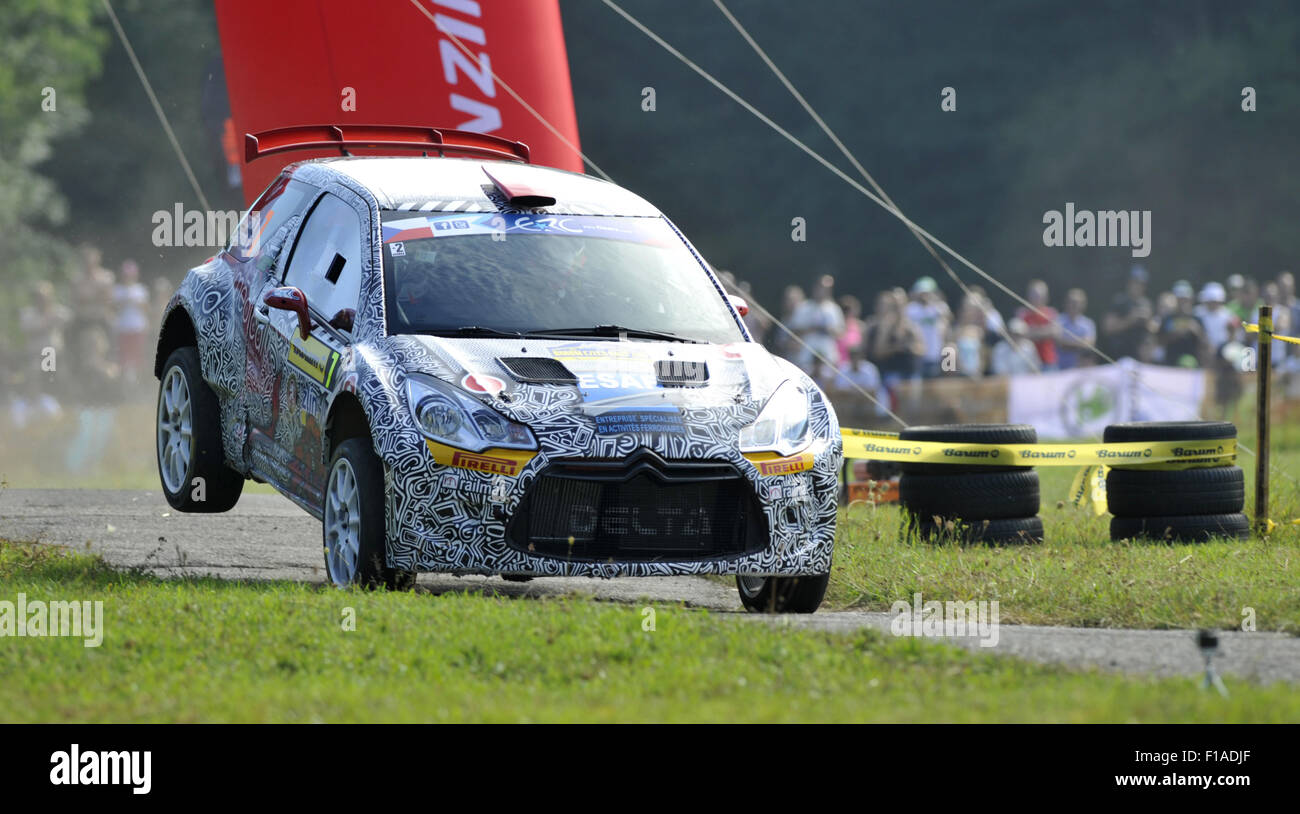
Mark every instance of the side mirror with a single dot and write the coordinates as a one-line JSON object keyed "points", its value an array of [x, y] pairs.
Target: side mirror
{"points": [[739, 304], [291, 298]]}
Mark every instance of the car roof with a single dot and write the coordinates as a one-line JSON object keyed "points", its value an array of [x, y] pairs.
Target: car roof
{"points": [[430, 184]]}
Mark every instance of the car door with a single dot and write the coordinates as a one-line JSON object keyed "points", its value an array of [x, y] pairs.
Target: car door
{"points": [[258, 245], [325, 264]]}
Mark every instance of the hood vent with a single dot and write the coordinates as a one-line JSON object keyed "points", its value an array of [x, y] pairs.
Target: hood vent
{"points": [[537, 370], [676, 373]]}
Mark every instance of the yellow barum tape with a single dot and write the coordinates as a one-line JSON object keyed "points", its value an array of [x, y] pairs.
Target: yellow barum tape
{"points": [[887, 446], [1089, 486], [1254, 329]]}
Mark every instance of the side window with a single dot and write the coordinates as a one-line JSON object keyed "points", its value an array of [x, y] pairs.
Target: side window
{"points": [[326, 262], [283, 199]]}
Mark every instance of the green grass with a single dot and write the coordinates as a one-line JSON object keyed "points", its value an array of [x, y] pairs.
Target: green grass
{"points": [[1077, 576], [209, 650]]}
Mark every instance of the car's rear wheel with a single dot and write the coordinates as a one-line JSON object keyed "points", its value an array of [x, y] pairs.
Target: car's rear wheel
{"points": [[191, 461], [801, 594], [353, 521]]}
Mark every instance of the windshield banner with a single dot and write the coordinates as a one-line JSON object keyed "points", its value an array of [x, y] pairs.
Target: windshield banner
{"points": [[501, 226]]}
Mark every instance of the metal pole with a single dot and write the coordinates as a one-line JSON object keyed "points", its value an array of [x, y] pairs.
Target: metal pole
{"points": [[1263, 375]]}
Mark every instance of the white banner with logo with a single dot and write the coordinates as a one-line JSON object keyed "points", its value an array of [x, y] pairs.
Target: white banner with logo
{"points": [[1080, 403]]}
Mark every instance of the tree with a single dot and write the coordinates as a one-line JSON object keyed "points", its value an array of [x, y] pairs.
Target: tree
{"points": [[48, 52]]}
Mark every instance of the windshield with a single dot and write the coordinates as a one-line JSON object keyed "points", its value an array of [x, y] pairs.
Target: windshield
{"points": [[493, 272]]}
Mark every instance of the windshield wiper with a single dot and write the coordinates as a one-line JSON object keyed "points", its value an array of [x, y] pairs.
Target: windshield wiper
{"points": [[614, 331], [472, 330]]}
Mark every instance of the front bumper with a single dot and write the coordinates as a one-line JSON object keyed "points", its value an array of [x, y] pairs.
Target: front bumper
{"points": [[666, 511]]}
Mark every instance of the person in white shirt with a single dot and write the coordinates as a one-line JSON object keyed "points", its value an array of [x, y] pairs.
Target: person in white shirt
{"points": [[819, 322], [1017, 359], [931, 314], [859, 374], [131, 322], [1220, 323], [1078, 332]]}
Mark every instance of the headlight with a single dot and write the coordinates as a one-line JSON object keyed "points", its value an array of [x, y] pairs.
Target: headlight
{"points": [[782, 424], [452, 417]]}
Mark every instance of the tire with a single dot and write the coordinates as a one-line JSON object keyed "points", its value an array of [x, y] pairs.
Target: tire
{"points": [[1169, 431], [782, 594], [1007, 531], [187, 430], [989, 496], [1185, 528], [1161, 493], [967, 434], [352, 521]]}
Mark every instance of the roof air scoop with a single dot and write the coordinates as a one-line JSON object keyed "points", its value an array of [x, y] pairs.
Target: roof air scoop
{"points": [[516, 191]]}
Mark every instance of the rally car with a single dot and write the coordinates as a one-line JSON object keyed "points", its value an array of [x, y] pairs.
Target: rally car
{"points": [[464, 363]]}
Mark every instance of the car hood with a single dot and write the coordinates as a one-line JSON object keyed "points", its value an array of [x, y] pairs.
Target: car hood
{"points": [[537, 379]]}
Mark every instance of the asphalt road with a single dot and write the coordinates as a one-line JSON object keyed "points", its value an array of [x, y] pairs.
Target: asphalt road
{"points": [[267, 537]]}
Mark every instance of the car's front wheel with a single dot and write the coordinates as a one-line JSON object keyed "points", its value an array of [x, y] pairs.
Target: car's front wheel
{"points": [[353, 521], [191, 461], [782, 594]]}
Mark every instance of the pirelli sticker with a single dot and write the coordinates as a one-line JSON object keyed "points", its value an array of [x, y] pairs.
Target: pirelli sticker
{"points": [[319, 361], [770, 464], [491, 462]]}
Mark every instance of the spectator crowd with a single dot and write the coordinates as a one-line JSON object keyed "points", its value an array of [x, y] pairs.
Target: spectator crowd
{"points": [[86, 345], [915, 334]]}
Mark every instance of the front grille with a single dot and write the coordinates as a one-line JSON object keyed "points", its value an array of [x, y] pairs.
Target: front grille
{"points": [[639, 509], [537, 370]]}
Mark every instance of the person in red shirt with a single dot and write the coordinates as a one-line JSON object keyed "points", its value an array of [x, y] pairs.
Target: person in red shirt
{"points": [[1044, 329]]}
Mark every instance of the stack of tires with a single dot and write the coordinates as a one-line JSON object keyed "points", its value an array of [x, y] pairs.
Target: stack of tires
{"points": [[1176, 505], [977, 502]]}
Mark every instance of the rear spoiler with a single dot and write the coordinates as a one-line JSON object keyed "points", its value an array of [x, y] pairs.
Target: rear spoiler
{"points": [[381, 136]]}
